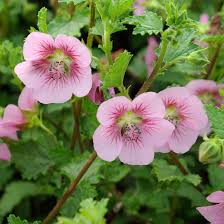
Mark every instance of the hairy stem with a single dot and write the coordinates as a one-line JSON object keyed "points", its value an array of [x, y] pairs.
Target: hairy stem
{"points": [[91, 24], [76, 108], [156, 69], [213, 62], [70, 189], [107, 43]]}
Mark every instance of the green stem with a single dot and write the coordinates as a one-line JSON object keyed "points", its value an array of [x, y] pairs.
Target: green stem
{"points": [[156, 69], [107, 43], [91, 24], [43, 127]]}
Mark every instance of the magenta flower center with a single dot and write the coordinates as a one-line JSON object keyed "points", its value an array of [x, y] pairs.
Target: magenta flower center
{"points": [[129, 123], [172, 115], [59, 65]]}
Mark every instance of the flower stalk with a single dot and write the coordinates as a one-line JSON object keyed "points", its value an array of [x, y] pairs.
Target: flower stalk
{"points": [[52, 214]]}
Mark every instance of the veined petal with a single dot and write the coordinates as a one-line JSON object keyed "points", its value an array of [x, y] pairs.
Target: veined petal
{"points": [[148, 105], [216, 197], [213, 213], [107, 142], [26, 100], [72, 46], [38, 46], [139, 152], [110, 110], [13, 114]]}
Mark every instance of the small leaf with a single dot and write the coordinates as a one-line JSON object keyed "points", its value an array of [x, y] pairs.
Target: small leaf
{"points": [[76, 2], [148, 23], [42, 20], [216, 117], [115, 76], [12, 219]]}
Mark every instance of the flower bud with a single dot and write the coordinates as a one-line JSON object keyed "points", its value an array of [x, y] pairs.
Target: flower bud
{"points": [[211, 151]]}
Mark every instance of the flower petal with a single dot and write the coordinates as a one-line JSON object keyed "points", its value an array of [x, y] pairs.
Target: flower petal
{"points": [[213, 213], [13, 114], [201, 85], [26, 100], [4, 152], [158, 131], [8, 130], [149, 105], [111, 109], [38, 46], [107, 142], [216, 197], [182, 139], [81, 82], [53, 91], [137, 153], [30, 75], [74, 48], [174, 94]]}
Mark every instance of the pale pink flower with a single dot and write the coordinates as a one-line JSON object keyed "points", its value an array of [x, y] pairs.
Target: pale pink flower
{"points": [[11, 122], [96, 94], [150, 55], [139, 9], [185, 111], [131, 130], [206, 90], [214, 213], [55, 69], [4, 152], [204, 18], [26, 101]]}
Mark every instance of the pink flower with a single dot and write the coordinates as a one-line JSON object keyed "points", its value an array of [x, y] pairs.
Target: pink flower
{"points": [[206, 90], [150, 55], [55, 69], [11, 122], [131, 129], [185, 111], [204, 18], [4, 152], [214, 213], [26, 101], [96, 94], [139, 9]]}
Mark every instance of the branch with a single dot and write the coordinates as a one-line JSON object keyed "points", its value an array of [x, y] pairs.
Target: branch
{"points": [[178, 163], [91, 24], [53, 213]]}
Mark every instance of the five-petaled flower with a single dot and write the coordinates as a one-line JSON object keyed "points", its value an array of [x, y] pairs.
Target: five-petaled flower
{"points": [[131, 129], [185, 111], [214, 213], [55, 69]]}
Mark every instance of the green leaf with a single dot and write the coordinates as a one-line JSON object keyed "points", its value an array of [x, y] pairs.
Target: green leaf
{"points": [[15, 192], [188, 191], [12, 219], [169, 173], [84, 190], [216, 118], [69, 25], [216, 177], [148, 23], [91, 212], [88, 123], [214, 39], [115, 75], [6, 173], [72, 169], [42, 20], [76, 2]]}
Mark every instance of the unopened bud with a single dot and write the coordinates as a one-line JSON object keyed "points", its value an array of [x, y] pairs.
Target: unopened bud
{"points": [[211, 151]]}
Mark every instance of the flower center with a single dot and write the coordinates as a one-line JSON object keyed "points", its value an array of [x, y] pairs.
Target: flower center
{"points": [[172, 115], [207, 98], [59, 65], [129, 123]]}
